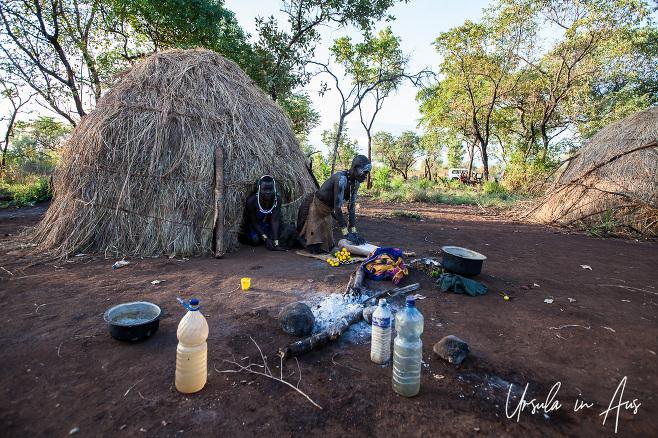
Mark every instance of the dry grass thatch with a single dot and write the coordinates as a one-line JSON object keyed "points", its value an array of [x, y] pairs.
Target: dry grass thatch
{"points": [[612, 184], [137, 175]]}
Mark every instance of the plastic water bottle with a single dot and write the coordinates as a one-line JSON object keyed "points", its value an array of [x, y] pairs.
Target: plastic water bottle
{"points": [[380, 345], [407, 350], [192, 351]]}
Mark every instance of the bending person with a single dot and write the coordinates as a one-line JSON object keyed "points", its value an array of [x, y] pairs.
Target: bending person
{"points": [[314, 219], [261, 213]]}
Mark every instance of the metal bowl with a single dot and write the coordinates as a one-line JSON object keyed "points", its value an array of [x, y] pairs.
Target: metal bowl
{"points": [[462, 261], [133, 321]]}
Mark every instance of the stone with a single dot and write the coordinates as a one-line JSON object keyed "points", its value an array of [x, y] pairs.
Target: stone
{"points": [[297, 319], [452, 349], [367, 313]]}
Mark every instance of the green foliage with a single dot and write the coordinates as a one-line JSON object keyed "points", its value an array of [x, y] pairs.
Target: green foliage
{"points": [[399, 154], [425, 184], [381, 178], [499, 88], [371, 60], [431, 146], [302, 114], [436, 273], [34, 149], [605, 224], [347, 149], [396, 184], [456, 194], [455, 154], [494, 188], [409, 214], [27, 193], [283, 54]]}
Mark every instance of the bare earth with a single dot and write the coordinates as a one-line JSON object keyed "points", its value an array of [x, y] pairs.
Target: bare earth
{"points": [[595, 344]]}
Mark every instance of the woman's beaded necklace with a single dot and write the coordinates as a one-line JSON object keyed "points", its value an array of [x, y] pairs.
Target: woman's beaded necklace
{"points": [[262, 210]]}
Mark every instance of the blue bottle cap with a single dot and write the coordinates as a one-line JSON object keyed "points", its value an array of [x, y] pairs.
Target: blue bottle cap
{"points": [[411, 302], [194, 302]]}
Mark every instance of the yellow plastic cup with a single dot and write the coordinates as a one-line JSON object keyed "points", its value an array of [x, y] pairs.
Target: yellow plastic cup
{"points": [[246, 283]]}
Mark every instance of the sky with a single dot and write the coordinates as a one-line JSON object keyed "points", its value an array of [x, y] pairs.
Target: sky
{"points": [[418, 23]]}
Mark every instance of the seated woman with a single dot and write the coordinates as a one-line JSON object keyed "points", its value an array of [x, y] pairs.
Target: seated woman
{"points": [[261, 215]]}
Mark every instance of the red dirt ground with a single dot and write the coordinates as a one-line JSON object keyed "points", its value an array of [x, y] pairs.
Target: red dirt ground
{"points": [[63, 373]]}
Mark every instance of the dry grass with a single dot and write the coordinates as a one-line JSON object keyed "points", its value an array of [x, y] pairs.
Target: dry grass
{"points": [[138, 172], [611, 183]]}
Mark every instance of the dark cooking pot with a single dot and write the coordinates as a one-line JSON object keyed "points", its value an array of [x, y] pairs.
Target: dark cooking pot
{"points": [[462, 261], [133, 321]]}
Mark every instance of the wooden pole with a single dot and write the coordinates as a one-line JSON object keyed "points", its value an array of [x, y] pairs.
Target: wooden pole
{"points": [[218, 227]]}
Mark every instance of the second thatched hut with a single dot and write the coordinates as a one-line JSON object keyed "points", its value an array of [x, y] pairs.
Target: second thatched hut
{"points": [[611, 185], [164, 163]]}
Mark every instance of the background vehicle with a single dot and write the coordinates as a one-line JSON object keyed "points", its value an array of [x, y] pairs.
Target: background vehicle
{"points": [[453, 173]]}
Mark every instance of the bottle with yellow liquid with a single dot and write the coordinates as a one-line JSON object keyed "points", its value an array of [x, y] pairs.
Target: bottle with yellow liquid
{"points": [[192, 351]]}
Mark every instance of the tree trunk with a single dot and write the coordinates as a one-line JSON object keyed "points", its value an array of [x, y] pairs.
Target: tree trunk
{"points": [[218, 229], [338, 133], [369, 157], [485, 162], [471, 153]]}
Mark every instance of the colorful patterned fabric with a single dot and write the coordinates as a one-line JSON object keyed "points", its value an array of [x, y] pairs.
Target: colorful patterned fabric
{"points": [[384, 264]]}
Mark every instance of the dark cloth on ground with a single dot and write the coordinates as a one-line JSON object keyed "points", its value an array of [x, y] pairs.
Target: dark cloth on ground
{"points": [[460, 285]]}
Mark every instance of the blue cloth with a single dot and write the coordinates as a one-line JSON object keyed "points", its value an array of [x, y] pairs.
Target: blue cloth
{"points": [[265, 221]]}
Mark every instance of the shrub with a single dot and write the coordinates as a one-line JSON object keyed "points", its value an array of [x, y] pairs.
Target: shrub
{"points": [[381, 179], [494, 188], [425, 184], [30, 193]]}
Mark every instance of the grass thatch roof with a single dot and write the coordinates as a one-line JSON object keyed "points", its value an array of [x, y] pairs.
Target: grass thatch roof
{"points": [[137, 175], [612, 184]]}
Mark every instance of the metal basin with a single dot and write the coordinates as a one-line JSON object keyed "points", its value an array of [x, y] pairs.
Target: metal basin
{"points": [[133, 321], [462, 261]]}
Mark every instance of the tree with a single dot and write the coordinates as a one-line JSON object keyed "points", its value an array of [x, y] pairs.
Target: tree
{"points": [[560, 84], [67, 51], [399, 154], [284, 54], [302, 114], [36, 144], [346, 151], [455, 153], [628, 82], [431, 145], [477, 64], [383, 55], [375, 64], [17, 101]]}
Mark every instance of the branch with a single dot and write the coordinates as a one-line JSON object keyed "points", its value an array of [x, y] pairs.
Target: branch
{"points": [[267, 373]]}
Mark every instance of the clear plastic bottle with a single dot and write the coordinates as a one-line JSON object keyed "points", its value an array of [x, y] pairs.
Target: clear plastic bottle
{"points": [[407, 350], [192, 351], [380, 342]]}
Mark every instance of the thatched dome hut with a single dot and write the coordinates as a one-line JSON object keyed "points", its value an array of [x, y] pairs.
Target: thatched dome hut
{"points": [[611, 184], [138, 174]]}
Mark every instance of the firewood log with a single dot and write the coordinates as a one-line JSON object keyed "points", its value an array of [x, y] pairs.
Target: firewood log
{"points": [[336, 330]]}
